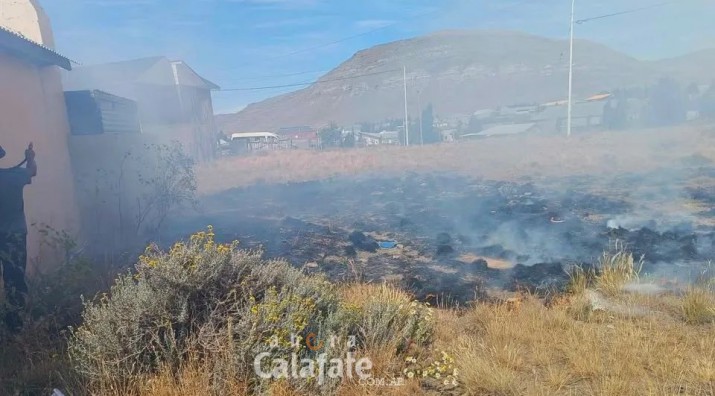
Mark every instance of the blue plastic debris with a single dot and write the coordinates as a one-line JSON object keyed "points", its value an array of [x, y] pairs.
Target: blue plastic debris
{"points": [[388, 244]]}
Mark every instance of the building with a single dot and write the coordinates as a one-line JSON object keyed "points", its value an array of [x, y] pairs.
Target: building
{"points": [[174, 102], [381, 138], [584, 116], [97, 112], [32, 109], [300, 136]]}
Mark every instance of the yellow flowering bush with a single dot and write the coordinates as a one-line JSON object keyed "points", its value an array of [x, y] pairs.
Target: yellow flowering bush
{"points": [[199, 297], [441, 370]]}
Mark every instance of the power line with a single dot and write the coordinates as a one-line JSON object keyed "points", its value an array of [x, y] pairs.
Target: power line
{"points": [[631, 11], [252, 78]]}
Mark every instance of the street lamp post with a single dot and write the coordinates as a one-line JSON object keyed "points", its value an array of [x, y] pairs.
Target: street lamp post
{"points": [[407, 128], [568, 121]]}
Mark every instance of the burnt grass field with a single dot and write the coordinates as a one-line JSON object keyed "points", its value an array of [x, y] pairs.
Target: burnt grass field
{"points": [[458, 239]]}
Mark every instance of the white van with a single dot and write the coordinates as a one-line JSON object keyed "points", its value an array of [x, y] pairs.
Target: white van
{"points": [[250, 141]]}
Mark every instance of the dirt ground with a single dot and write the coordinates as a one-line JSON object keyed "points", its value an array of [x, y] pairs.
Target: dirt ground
{"points": [[502, 213]]}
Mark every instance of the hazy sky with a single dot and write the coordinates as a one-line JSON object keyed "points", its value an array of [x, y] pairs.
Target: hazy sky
{"points": [[247, 43]]}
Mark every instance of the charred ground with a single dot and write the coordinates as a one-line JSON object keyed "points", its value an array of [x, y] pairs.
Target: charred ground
{"points": [[460, 238]]}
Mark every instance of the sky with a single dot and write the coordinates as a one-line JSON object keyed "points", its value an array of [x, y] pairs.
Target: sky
{"points": [[257, 43]]}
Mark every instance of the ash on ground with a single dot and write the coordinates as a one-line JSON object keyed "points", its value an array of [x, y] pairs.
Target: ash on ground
{"points": [[448, 237]]}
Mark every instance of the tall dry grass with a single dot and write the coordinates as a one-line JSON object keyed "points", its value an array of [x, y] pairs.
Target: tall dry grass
{"points": [[539, 350], [495, 158]]}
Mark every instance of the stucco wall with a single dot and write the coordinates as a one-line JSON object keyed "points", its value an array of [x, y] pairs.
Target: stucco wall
{"points": [[32, 109], [28, 18]]}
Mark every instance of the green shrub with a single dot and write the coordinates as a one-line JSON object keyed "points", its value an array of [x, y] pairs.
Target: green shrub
{"points": [[192, 302], [223, 306]]}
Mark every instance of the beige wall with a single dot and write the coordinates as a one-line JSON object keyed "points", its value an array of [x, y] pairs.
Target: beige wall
{"points": [[32, 109], [29, 19]]}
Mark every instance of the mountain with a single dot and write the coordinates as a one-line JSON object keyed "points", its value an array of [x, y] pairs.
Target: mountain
{"points": [[696, 67], [459, 72]]}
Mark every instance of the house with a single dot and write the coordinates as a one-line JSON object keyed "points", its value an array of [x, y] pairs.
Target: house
{"points": [[174, 102], [32, 109], [585, 116], [504, 130], [381, 138], [299, 133]]}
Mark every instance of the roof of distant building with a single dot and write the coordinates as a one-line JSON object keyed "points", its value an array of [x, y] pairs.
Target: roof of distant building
{"points": [[579, 110], [22, 47], [501, 130], [599, 97], [156, 70]]}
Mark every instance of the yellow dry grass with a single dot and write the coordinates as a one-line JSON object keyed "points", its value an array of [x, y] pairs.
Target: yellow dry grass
{"points": [[537, 350], [502, 158], [530, 348]]}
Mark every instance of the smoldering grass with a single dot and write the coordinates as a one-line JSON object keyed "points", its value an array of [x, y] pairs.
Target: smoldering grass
{"points": [[617, 268]]}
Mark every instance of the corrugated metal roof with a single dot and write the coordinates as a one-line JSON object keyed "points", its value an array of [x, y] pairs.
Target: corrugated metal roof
{"points": [[18, 45], [157, 70], [501, 130], [599, 97]]}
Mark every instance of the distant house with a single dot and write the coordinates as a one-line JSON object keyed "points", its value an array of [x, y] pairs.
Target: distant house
{"points": [[381, 138], [173, 101], [504, 130], [585, 116], [299, 133]]}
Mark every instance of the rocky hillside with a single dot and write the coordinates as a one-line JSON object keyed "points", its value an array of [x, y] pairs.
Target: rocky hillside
{"points": [[458, 72]]}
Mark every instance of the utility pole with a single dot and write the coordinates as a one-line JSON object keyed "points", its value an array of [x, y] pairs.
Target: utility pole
{"points": [[407, 128], [419, 107], [568, 121]]}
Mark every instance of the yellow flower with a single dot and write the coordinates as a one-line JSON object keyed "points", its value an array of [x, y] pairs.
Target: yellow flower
{"points": [[410, 374]]}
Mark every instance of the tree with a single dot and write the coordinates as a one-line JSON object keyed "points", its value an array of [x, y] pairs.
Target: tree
{"points": [[348, 140], [475, 125], [707, 102], [667, 104], [331, 136], [429, 135], [615, 114]]}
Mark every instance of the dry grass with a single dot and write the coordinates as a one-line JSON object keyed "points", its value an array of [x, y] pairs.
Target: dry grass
{"points": [[616, 269], [503, 158], [360, 293], [539, 350], [699, 306], [532, 349]]}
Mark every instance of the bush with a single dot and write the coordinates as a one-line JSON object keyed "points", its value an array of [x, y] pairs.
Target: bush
{"points": [[219, 306]]}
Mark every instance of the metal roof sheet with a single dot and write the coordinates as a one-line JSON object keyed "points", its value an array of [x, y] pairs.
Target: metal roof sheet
{"points": [[20, 46]]}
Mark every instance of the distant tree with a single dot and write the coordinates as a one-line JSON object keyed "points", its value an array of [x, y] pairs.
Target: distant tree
{"points": [[693, 90], [349, 140], [460, 128], [707, 102], [615, 114], [331, 136], [367, 127], [429, 134], [667, 104], [475, 125]]}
